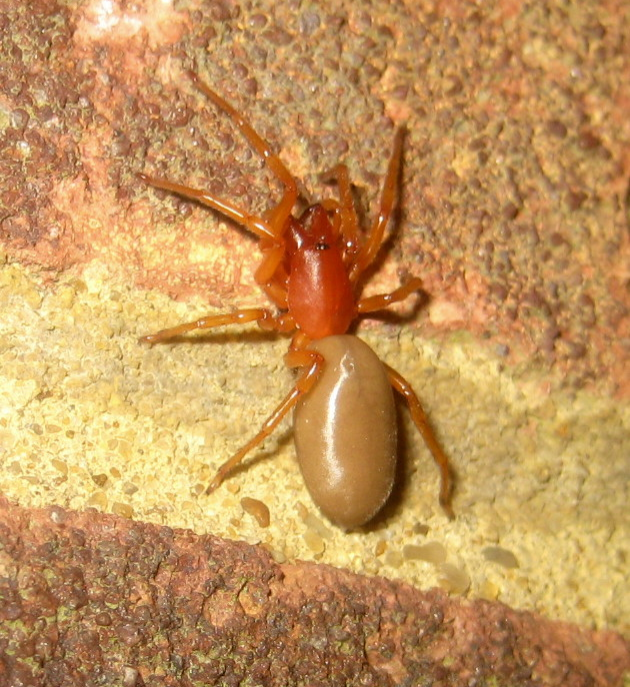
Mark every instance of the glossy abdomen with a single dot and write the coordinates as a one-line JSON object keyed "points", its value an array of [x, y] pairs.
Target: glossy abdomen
{"points": [[345, 433]]}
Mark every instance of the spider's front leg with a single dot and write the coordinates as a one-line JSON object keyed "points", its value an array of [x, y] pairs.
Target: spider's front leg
{"points": [[265, 318]]}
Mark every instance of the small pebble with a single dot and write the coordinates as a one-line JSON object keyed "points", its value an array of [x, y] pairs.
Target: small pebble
{"points": [[314, 523], [489, 591], [278, 556], [454, 580], [60, 465], [233, 487], [98, 500], [257, 509], [394, 559], [314, 542], [497, 554], [122, 509], [432, 552]]}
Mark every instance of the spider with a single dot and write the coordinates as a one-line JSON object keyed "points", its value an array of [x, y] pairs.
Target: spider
{"points": [[311, 269]]}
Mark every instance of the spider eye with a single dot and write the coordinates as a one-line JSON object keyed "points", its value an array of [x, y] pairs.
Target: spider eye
{"points": [[322, 245]]}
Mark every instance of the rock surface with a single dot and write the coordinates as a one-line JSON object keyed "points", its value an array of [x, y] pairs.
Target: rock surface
{"points": [[89, 599], [514, 212]]}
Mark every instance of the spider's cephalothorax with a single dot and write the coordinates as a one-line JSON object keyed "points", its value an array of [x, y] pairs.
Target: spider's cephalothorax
{"points": [[319, 292]]}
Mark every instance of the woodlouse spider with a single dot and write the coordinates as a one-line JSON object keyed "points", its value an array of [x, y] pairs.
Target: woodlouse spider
{"points": [[311, 270]]}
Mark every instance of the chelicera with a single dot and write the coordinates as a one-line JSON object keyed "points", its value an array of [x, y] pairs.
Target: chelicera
{"points": [[311, 269]]}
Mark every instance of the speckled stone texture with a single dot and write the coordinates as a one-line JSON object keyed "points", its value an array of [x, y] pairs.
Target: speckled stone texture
{"points": [[89, 599], [514, 212], [515, 202]]}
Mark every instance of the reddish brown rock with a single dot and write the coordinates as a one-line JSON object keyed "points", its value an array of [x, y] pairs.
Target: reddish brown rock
{"points": [[514, 213], [87, 598], [516, 169]]}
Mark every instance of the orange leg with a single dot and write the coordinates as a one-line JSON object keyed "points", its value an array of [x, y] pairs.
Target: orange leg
{"points": [[264, 317], [277, 294], [278, 215], [349, 219], [273, 223], [272, 258], [402, 386], [375, 237], [384, 300], [257, 225], [313, 363]]}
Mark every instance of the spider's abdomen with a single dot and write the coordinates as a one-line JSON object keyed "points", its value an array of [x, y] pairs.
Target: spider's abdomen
{"points": [[345, 433]]}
